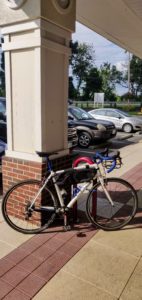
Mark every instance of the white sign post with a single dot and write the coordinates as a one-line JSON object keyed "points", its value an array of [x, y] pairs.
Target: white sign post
{"points": [[99, 99]]}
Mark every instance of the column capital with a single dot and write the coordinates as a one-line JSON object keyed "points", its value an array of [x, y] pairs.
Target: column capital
{"points": [[59, 12], [37, 33]]}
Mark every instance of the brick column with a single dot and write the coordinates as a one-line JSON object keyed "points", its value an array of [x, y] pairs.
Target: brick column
{"points": [[14, 170]]}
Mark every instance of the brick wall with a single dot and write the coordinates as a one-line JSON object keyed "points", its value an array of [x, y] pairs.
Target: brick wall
{"points": [[14, 170]]}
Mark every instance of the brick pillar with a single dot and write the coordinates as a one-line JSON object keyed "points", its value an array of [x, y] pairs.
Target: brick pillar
{"points": [[14, 170]]}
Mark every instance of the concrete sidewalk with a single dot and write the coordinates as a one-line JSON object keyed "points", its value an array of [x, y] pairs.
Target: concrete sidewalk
{"points": [[82, 264]]}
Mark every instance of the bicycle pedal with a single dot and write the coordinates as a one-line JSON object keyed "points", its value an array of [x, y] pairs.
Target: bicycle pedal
{"points": [[67, 227]]}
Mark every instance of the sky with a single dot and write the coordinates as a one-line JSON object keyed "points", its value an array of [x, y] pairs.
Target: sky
{"points": [[105, 51]]}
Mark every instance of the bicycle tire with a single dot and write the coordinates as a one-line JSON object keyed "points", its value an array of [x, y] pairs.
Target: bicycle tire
{"points": [[15, 207], [100, 211]]}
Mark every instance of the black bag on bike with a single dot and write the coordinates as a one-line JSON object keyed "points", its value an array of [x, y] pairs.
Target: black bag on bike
{"points": [[80, 176], [76, 176]]}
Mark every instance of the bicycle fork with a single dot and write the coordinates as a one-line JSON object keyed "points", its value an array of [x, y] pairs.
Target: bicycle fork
{"points": [[105, 190]]}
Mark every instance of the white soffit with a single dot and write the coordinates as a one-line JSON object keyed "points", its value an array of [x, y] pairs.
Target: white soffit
{"points": [[120, 21]]}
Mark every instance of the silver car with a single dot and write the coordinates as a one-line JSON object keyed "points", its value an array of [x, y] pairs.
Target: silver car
{"points": [[122, 120]]}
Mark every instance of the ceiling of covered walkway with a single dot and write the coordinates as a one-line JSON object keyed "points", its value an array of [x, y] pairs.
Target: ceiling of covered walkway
{"points": [[120, 21]]}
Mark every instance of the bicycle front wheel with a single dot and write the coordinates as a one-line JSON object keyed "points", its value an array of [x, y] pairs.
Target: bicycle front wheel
{"points": [[111, 216], [16, 207]]}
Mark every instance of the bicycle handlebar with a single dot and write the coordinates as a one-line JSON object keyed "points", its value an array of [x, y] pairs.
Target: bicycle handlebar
{"points": [[110, 160], [101, 158]]}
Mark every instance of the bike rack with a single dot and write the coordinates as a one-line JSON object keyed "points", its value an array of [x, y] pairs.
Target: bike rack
{"points": [[76, 162]]}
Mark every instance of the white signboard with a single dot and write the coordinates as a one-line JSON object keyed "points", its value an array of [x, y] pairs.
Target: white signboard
{"points": [[99, 98]]}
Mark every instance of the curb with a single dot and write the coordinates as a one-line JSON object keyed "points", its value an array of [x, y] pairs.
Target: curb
{"points": [[138, 132], [125, 137]]}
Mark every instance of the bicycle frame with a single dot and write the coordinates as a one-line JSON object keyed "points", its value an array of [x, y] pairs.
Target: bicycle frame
{"points": [[52, 175], [30, 206]]}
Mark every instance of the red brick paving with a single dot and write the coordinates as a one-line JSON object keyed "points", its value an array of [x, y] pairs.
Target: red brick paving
{"points": [[25, 270], [15, 294]]}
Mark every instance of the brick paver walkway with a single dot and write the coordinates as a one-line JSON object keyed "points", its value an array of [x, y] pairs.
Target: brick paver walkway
{"points": [[25, 270]]}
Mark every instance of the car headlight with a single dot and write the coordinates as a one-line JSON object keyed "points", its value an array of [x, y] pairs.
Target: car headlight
{"points": [[101, 127]]}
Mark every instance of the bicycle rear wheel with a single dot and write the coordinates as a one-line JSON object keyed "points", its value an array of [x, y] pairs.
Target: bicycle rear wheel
{"points": [[16, 203], [101, 212]]}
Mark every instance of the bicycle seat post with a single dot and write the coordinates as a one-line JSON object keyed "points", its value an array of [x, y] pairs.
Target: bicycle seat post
{"points": [[48, 163]]}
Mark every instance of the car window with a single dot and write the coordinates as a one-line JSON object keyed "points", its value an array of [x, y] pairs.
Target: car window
{"points": [[80, 114], [70, 116], [113, 114], [124, 113], [100, 112], [2, 107]]}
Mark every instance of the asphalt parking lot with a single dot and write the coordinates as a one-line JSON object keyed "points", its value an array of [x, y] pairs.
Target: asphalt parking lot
{"points": [[121, 140]]}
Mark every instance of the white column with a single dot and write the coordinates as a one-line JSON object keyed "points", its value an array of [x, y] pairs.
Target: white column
{"points": [[36, 59]]}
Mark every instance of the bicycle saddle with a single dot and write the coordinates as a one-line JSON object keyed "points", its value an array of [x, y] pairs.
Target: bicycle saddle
{"points": [[45, 154]]}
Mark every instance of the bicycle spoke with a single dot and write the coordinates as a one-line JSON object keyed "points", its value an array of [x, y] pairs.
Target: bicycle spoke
{"points": [[107, 216], [17, 209]]}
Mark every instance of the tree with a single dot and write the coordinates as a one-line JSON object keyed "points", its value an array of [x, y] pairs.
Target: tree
{"points": [[136, 76], [72, 89], [93, 84], [81, 62], [110, 77], [134, 85], [88, 79]]}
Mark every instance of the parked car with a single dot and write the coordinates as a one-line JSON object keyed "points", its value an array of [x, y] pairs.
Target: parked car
{"points": [[3, 131], [2, 108], [89, 129], [72, 135], [72, 131], [3, 147], [122, 120]]}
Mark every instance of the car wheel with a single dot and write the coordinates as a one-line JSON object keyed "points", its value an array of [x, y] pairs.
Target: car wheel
{"points": [[84, 139], [127, 128]]}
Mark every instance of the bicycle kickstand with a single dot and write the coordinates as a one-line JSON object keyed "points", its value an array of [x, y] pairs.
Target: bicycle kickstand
{"points": [[66, 226]]}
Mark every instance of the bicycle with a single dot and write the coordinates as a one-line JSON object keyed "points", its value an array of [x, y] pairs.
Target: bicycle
{"points": [[31, 206]]}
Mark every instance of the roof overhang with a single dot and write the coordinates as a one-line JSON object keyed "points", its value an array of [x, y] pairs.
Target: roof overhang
{"points": [[120, 21]]}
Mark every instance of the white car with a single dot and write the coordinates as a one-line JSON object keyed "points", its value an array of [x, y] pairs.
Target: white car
{"points": [[122, 120]]}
